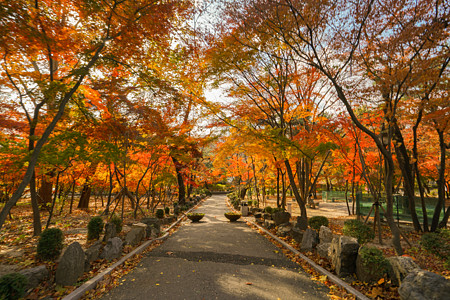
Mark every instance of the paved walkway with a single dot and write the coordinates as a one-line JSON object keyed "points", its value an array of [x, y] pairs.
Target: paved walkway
{"points": [[216, 259]]}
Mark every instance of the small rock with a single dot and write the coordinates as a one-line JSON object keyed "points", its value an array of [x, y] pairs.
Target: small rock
{"points": [[113, 249], [310, 240], [35, 276], [110, 231], [284, 230], [71, 265], [424, 285], [323, 250], [281, 217], [269, 224], [297, 234], [92, 254], [135, 236], [401, 267], [325, 234]]}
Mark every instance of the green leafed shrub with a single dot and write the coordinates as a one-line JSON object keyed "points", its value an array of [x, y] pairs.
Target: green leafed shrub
{"points": [[50, 244], [437, 243], [317, 221], [268, 209], [359, 230], [374, 259], [95, 228], [166, 210], [160, 213], [12, 286], [117, 221]]}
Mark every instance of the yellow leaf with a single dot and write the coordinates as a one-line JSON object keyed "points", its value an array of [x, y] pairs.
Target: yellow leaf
{"points": [[381, 281]]}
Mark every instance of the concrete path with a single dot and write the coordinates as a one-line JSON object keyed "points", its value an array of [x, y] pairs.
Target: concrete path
{"points": [[216, 259]]}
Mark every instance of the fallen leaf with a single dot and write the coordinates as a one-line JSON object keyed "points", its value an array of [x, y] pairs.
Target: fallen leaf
{"points": [[249, 283]]}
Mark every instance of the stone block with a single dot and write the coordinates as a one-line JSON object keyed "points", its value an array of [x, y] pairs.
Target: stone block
{"points": [[71, 265], [35, 276], [110, 232], [325, 234], [423, 285], [310, 240], [113, 249], [401, 266], [281, 217], [135, 235], [343, 254], [297, 234], [323, 250]]}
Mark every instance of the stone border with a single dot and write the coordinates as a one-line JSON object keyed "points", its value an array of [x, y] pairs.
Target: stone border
{"points": [[333, 278], [92, 283]]}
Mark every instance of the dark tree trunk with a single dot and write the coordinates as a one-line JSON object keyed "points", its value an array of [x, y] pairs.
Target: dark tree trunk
{"points": [[181, 189], [408, 176], [441, 184], [37, 226], [85, 196], [45, 192], [301, 203]]}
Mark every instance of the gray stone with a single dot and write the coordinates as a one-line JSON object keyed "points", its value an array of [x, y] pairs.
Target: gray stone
{"points": [[35, 276], [284, 230], [302, 223], [139, 225], [323, 250], [424, 285], [135, 236], [267, 216], [401, 266], [281, 217], [258, 215], [325, 234], [92, 254], [297, 234], [269, 224], [113, 249], [71, 265], [110, 231], [156, 223], [343, 254], [256, 210], [310, 240]]}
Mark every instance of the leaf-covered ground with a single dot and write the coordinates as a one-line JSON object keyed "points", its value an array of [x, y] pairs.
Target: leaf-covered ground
{"points": [[18, 248]]}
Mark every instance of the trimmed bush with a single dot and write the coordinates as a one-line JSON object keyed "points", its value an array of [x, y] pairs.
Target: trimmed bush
{"points": [[95, 228], [116, 220], [359, 230], [12, 286], [374, 259], [268, 209], [277, 209], [437, 243], [50, 244], [160, 213], [166, 210], [317, 221]]}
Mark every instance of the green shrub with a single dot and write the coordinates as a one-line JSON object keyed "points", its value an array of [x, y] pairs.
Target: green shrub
{"points": [[277, 209], [12, 286], [359, 230], [95, 228], [268, 209], [437, 243], [166, 210], [116, 220], [250, 202], [374, 259], [317, 221], [50, 244], [160, 213]]}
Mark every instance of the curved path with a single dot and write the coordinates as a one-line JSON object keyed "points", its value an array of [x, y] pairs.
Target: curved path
{"points": [[216, 259]]}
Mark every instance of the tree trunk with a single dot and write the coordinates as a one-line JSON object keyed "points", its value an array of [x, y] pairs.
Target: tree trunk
{"points": [[408, 176], [441, 183], [85, 196], [46, 191], [301, 203], [37, 226], [181, 189]]}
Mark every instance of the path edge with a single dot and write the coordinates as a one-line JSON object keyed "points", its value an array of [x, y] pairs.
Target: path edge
{"points": [[92, 283]]}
